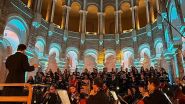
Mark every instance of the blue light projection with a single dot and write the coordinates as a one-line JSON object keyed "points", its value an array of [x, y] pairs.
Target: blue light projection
{"points": [[36, 24], [16, 35], [55, 48], [168, 40], [50, 33], [39, 48], [92, 53], [73, 60], [17, 23], [173, 13]]}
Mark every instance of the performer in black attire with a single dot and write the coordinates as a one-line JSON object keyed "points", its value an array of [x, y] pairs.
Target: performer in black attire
{"points": [[17, 64], [155, 96], [97, 95], [51, 96]]}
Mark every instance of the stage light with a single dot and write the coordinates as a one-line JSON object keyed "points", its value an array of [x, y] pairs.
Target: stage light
{"points": [[117, 88]]}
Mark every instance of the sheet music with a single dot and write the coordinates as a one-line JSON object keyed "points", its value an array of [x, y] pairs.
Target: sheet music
{"points": [[114, 95], [64, 97]]}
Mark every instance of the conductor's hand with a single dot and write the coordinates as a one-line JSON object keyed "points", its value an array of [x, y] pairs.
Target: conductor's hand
{"points": [[36, 65]]}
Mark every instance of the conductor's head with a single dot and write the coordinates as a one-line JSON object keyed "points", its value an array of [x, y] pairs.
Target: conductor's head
{"points": [[21, 48]]}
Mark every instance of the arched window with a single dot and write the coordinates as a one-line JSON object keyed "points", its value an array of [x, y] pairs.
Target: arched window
{"points": [[127, 59], [55, 48], [15, 32], [72, 60], [90, 59], [39, 46]]}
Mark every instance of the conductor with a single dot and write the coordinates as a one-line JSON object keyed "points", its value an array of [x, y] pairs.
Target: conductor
{"points": [[17, 64]]}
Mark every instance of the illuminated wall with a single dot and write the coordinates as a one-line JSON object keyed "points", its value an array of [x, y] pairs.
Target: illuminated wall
{"points": [[15, 32], [90, 59], [72, 60], [127, 57]]}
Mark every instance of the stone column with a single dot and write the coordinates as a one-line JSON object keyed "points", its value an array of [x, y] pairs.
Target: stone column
{"points": [[48, 10], [137, 17], [147, 11], [51, 27], [116, 22], [63, 17], [179, 10], [120, 21], [101, 53], [117, 40], [133, 18], [37, 14], [148, 18], [134, 37], [66, 23], [149, 30], [83, 25], [80, 23], [53, 10]]}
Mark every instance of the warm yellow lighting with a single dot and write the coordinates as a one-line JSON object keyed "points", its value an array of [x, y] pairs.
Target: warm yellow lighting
{"points": [[29, 3]]}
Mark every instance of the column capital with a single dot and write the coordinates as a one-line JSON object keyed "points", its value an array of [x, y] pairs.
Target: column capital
{"points": [[100, 13], [83, 11], [66, 7]]}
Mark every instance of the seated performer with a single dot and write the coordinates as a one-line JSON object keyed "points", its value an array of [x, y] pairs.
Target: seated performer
{"points": [[97, 95], [51, 96], [74, 96], [155, 96]]}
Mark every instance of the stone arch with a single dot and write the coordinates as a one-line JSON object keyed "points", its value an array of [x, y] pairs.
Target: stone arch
{"points": [[55, 48], [144, 51], [143, 47], [74, 17], [92, 19], [121, 3], [158, 44], [110, 59], [72, 58], [126, 15], [40, 46], [89, 4], [127, 57], [16, 31], [109, 19], [90, 59]]}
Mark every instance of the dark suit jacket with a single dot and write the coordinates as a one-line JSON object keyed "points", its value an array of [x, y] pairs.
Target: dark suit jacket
{"points": [[99, 98], [17, 64], [157, 97]]}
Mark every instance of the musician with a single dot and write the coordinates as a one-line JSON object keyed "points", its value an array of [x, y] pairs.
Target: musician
{"points": [[108, 93], [142, 93], [74, 96], [97, 96], [154, 96], [51, 96], [61, 84], [129, 98], [86, 84]]}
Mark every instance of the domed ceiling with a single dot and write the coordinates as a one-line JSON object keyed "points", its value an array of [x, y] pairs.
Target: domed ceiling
{"points": [[93, 7]]}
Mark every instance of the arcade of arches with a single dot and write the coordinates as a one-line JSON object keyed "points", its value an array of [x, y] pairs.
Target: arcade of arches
{"points": [[96, 33]]}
